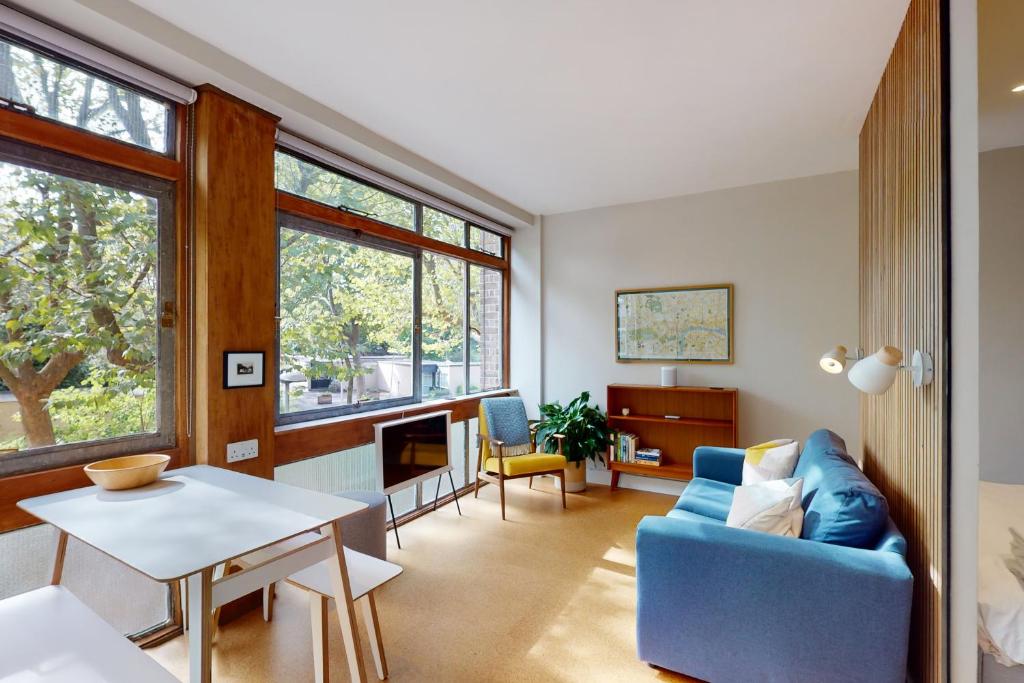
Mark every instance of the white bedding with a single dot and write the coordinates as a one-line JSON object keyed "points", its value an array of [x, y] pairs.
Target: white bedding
{"points": [[1000, 593]]}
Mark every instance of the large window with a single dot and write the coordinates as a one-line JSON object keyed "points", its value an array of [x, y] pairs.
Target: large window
{"points": [[369, 321], [87, 287], [36, 83], [346, 332], [86, 256]]}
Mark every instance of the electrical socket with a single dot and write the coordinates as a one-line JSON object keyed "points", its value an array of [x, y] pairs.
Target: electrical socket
{"points": [[243, 450]]}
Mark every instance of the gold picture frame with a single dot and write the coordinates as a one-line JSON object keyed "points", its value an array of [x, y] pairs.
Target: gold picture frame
{"points": [[634, 345]]}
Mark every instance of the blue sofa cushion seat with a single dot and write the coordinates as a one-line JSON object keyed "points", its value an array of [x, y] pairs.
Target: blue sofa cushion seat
{"points": [[841, 506], [707, 497]]}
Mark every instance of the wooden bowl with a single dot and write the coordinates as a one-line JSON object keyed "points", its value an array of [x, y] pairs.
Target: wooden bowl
{"points": [[127, 472]]}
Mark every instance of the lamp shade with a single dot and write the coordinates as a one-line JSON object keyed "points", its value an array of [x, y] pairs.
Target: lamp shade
{"points": [[834, 360], [876, 373]]}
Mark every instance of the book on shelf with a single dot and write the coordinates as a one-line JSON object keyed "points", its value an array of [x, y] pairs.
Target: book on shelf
{"points": [[648, 456], [626, 447]]}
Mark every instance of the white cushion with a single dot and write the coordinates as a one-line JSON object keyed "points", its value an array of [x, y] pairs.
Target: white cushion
{"points": [[769, 506], [770, 460]]}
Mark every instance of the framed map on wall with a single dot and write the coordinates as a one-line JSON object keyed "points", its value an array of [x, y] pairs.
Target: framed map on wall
{"points": [[674, 324]]}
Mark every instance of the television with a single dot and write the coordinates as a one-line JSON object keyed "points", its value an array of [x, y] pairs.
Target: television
{"points": [[412, 449]]}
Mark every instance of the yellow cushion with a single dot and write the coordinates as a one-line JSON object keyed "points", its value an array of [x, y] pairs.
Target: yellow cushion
{"points": [[525, 464]]}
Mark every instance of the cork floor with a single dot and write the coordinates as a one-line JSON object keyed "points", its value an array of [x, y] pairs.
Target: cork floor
{"points": [[548, 595]]}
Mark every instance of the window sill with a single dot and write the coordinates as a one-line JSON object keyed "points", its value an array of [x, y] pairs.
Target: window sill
{"points": [[313, 438]]}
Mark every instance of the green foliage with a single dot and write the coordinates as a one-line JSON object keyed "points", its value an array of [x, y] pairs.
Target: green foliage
{"points": [[78, 267], [89, 413], [585, 427]]}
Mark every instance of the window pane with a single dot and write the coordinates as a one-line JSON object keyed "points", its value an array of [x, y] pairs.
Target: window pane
{"points": [[443, 227], [70, 95], [314, 182], [486, 321], [485, 241], [78, 309], [444, 300], [346, 323], [129, 601]]}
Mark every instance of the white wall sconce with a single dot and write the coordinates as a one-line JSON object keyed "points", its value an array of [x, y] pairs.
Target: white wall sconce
{"points": [[874, 374]]}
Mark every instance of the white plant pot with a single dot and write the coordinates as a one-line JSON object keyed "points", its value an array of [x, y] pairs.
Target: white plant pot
{"points": [[575, 477]]}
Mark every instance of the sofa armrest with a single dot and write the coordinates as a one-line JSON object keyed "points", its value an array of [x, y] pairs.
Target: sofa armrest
{"points": [[725, 604], [721, 464]]}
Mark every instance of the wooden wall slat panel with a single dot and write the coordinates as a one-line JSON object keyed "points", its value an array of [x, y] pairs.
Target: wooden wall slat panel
{"points": [[235, 257], [902, 303]]}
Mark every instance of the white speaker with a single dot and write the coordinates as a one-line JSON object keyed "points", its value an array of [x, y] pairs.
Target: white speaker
{"points": [[668, 376]]}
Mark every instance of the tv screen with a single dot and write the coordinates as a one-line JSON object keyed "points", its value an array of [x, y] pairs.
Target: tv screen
{"points": [[413, 450]]}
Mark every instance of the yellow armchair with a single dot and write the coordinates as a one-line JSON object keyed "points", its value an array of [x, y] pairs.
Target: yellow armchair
{"points": [[498, 460]]}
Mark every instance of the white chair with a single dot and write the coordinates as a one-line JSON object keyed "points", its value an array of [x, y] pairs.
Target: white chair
{"points": [[365, 575], [49, 636]]}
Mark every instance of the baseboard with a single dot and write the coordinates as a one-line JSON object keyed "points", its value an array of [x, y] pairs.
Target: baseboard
{"points": [[629, 481]]}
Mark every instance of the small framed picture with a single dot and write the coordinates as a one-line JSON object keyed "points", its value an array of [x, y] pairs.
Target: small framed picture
{"points": [[243, 369]]}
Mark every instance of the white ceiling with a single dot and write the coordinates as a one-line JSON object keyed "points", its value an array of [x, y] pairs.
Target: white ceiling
{"points": [[558, 105], [1000, 68]]}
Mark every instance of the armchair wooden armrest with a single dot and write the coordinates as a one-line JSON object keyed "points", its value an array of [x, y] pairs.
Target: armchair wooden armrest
{"points": [[495, 444], [559, 438]]}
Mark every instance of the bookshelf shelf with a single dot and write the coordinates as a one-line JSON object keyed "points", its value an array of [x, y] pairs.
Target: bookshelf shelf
{"points": [[698, 421], [707, 417]]}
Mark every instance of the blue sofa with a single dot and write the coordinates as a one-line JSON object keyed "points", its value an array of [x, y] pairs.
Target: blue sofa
{"points": [[725, 604]]}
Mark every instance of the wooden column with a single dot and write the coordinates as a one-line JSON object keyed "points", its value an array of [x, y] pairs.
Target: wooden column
{"points": [[904, 302], [235, 245]]}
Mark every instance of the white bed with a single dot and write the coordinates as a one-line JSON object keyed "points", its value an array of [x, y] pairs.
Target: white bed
{"points": [[1000, 593]]}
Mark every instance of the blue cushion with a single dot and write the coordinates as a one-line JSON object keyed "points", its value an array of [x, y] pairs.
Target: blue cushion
{"points": [[676, 513], [841, 505], [707, 497], [818, 442]]}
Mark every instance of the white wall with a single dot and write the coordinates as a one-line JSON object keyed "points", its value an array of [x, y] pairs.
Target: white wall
{"points": [[525, 316], [790, 249], [1001, 176]]}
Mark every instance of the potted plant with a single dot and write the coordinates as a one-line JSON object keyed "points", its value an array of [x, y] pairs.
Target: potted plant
{"points": [[587, 436]]}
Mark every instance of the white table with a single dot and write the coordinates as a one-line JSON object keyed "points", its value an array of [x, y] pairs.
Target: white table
{"points": [[196, 518]]}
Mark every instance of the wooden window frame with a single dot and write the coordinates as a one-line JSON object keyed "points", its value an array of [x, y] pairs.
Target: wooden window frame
{"points": [[317, 212]]}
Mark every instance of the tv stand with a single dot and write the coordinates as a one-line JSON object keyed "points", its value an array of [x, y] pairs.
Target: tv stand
{"points": [[437, 493]]}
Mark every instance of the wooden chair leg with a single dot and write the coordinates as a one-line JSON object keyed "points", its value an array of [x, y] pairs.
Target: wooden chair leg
{"points": [[376, 641], [479, 456], [531, 483], [269, 592], [561, 475], [318, 611], [501, 493]]}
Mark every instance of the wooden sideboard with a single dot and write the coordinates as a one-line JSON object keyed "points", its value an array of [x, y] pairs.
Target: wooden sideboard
{"points": [[707, 416]]}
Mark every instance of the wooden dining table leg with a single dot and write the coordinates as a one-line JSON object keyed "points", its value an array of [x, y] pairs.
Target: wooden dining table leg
{"points": [[318, 611], [58, 559], [343, 603], [219, 572], [200, 626]]}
